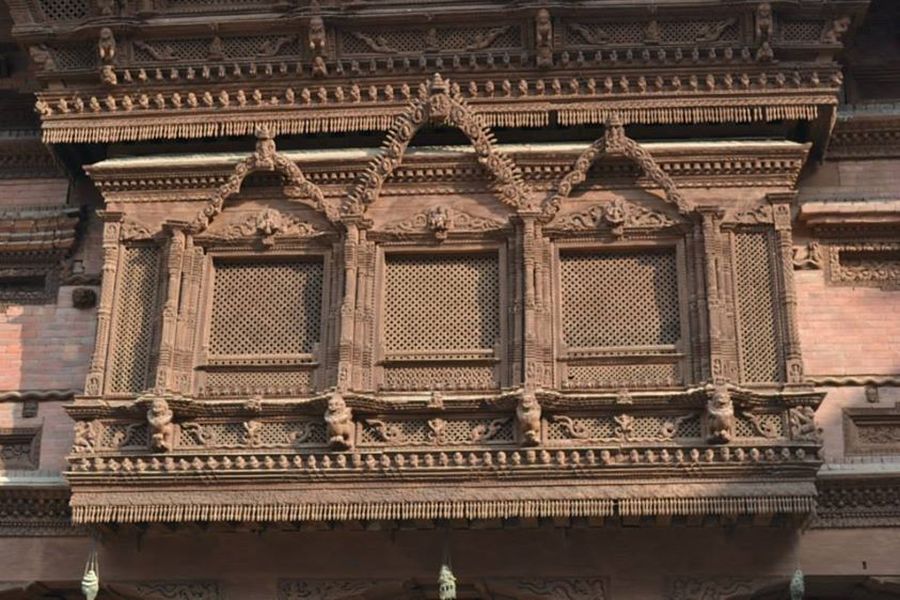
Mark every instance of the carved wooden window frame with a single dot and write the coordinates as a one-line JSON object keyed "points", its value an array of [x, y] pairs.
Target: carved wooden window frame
{"points": [[620, 355], [450, 247], [312, 362], [116, 314]]}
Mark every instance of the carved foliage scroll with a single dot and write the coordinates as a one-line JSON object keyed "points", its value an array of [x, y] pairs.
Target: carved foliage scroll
{"points": [[441, 104], [615, 142], [266, 158]]}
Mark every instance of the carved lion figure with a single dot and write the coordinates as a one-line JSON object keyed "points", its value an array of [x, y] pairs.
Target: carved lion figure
{"points": [[528, 419], [106, 47], [162, 430], [339, 420], [763, 21], [719, 416]]}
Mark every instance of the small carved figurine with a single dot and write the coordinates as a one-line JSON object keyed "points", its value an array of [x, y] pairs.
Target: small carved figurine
{"points": [[317, 35], [763, 22], [106, 46], [803, 424], [719, 416], [162, 430], [528, 419], [833, 32], [439, 222], [107, 8], [108, 75], [42, 56], [543, 35], [339, 420]]}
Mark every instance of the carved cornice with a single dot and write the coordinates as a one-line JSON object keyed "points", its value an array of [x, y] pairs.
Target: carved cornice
{"points": [[37, 231], [858, 502], [31, 511], [866, 132]]}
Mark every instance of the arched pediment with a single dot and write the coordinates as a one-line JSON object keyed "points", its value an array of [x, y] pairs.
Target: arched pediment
{"points": [[265, 158], [441, 104], [615, 143]]}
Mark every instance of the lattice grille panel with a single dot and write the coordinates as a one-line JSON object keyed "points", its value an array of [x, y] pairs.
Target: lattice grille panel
{"points": [[769, 426], [136, 316], [437, 432], [620, 298], [75, 58], [801, 31], [267, 383], [64, 10], [613, 33], [122, 435], [624, 428], [253, 434], [683, 32], [266, 308], [439, 378], [619, 375], [441, 302], [757, 317], [449, 39]]}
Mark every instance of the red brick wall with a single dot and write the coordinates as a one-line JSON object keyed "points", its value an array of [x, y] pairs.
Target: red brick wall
{"points": [[847, 330], [46, 346]]}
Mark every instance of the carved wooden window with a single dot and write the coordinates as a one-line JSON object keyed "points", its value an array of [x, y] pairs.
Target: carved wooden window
{"points": [[759, 348], [621, 317], [265, 323], [136, 318], [26, 284], [441, 321]]}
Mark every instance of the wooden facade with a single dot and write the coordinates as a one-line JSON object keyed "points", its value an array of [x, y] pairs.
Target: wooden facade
{"points": [[558, 294]]}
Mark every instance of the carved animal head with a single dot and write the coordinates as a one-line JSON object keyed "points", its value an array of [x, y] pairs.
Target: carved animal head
{"points": [[158, 407], [336, 404], [529, 403], [720, 399]]}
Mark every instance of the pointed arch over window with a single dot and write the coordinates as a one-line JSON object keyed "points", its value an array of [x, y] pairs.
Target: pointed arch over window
{"points": [[265, 158], [615, 143], [441, 104]]}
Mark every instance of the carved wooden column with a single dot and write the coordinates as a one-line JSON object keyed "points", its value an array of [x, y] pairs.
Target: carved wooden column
{"points": [[112, 225], [534, 371], [364, 316], [781, 212], [722, 366], [192, 265], [348, 306], [175, 247]]}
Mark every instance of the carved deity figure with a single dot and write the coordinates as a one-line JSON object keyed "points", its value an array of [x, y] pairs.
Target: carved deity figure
{"points": [[528, 419], [439, 222], [162, 430], [106, 46], [543, 35], [107, 8], [719, 416], [803, 423], [42, 56], [339, 420], [764, 22]]}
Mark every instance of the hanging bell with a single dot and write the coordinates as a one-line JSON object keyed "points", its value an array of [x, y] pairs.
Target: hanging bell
{"points": [[90, 581], [798, 585], [446, 584]]}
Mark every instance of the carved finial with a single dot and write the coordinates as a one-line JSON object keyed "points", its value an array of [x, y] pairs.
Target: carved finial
{"points": [[798, 585], [446, 584], [438, 85], [90, 581], [614, 136]]}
